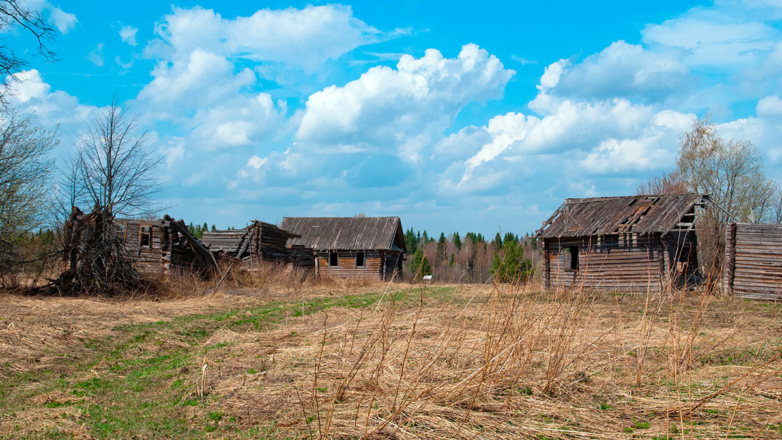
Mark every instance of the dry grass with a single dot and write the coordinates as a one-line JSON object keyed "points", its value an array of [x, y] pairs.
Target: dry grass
{"points": [[295, 358]]}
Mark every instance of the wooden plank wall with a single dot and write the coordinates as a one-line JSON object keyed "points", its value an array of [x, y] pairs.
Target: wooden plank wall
{"points": [[165, 256], [632, 264], [347, 265], [148, 261], [754, 261]]}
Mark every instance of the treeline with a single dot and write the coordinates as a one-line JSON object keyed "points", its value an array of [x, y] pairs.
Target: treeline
{"points": [[472, 258]]}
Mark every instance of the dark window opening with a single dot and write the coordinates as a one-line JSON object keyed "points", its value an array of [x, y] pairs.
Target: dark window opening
{"points": [[119, 229], [359, 259], [611, 241], [333, 259], [145, 240], [573, 251]]}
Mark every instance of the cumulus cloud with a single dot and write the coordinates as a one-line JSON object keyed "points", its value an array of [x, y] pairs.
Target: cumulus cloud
{"points": [[240, 122], [299, 37], [404, 109], [199, 80], [621, 70], [128, 34], [31, 94]]}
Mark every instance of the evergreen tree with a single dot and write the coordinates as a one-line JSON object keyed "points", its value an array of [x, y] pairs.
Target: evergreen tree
{"points": [[457, 241], [450, 263], [191, 228], [442, 247], [510, 237], [411, 241], [213, 228], [421, 265], [512, 267], [497, 241], [425, 237]]}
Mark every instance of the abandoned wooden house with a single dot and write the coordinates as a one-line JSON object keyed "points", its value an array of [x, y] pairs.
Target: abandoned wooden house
{"points": [[753, 261], [163, 247], [352, 247], [633, 244], [258, 242]]}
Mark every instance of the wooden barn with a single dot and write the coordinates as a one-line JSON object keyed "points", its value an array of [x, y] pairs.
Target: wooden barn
{"points": [[163, 247], [632, 244], [753, 261], [352, 247], [256, 243]]}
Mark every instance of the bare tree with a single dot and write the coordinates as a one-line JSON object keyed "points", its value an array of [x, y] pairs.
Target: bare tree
{"points": [[112, 172], [115, 166], [24, 172], [668, 183], [732, 172], [13, 14]]}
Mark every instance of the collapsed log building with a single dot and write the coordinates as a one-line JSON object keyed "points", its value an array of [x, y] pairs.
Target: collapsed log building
{"points": [[633, 244], [259, 242], [352, 247], [163, 247], [753, 261]]}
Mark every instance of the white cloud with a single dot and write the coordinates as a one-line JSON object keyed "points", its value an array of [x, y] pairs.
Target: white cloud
{"points": [[712, 38], [96, 55], [403, 109], [551, 74], [256, 162], [200, 80], [240, 122], [31, 94], [27, 85], [63, 20], [600, 137], [128, 34], [299, 37], [770, 106], [620, 70]]}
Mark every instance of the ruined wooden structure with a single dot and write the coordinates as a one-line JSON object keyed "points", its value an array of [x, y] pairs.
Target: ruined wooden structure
{"points": [[259, 242], [163, 247], [352, 247], [627, 244], [753, 261]]}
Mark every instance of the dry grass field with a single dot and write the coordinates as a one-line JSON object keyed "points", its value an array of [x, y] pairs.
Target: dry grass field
{"points": [[404, 361]]}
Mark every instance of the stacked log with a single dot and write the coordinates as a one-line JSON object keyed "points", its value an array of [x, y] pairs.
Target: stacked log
{"points": [[259, 242]]}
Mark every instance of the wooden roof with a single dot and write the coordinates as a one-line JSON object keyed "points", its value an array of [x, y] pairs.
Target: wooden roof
{"points": [[347, 233], [643, 214]]}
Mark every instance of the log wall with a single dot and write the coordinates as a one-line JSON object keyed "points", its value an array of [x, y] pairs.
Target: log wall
{"points": [[624, 263], [168, 252], [753, 261], [378, 265]]}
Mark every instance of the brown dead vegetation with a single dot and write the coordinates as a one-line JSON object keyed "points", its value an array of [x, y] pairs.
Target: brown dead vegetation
{"points": [[442, 362]]}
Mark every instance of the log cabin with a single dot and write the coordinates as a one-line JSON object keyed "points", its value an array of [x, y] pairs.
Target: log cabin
{"points": [[753, 261], [259, 242], [163, 247], [623, 244], [352, 247]]}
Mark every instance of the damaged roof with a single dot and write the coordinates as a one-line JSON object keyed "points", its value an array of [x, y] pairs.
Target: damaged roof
{"points": [[641, 214], [347, 233]]}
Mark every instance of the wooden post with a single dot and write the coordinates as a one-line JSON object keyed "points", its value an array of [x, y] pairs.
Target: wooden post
{"points": [[546, 266]]}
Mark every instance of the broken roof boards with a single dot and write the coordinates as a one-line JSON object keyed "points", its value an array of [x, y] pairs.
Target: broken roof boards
{"points": [[632, 243]]}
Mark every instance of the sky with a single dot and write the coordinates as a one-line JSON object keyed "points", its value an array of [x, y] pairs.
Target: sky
{"points": [[454, 116]]}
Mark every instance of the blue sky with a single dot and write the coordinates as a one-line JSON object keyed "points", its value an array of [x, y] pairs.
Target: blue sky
{"points": [[452, 115]]}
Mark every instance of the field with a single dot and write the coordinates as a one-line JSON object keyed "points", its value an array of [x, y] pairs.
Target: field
{"points": [[406, 361]]}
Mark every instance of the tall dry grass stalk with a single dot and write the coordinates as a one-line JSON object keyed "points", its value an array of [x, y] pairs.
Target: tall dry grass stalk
{"points": [[473, 364]]}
